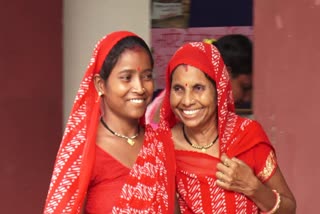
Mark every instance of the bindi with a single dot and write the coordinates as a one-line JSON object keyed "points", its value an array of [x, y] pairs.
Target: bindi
{"points": [[139, 68]]}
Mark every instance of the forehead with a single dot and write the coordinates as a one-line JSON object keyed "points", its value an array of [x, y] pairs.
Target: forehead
{"points": [[244, 79], [137, 57], [188, 73]]}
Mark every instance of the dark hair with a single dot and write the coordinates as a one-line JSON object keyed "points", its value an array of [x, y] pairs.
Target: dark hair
{"points": [[111, 60], [236, 51]]}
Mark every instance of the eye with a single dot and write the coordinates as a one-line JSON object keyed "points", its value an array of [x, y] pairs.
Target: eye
{"points": [[126, 77], [147, 76], [199, 88], [177, 88], [246, 88]]}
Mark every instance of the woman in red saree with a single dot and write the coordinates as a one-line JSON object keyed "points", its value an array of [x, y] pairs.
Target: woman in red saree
{"points": [[225, 163], [109, 161]]}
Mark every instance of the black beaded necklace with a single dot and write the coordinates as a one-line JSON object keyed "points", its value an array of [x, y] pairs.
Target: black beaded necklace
{"points": [[129, 139], [203, 148]]}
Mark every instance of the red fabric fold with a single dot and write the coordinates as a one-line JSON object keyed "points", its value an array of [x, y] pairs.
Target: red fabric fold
{"points": [[238, 137], [75, 158]]}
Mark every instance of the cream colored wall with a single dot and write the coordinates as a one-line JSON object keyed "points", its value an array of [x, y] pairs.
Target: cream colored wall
{"points": [[84, 23]]}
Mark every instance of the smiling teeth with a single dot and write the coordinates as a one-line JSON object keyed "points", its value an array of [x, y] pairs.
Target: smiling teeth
{"points": [[136, 100], [189, 112]]}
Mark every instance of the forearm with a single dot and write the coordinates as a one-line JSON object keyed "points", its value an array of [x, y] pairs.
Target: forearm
{"points": [[264, 197]]}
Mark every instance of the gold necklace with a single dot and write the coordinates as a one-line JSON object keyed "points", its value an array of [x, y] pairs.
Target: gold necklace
{"points": [[129, 139], [202, 148]]}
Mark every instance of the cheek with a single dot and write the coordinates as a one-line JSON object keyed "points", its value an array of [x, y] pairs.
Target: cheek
{"points": [[236, 89], [149, 86], [247, 96], [173, 100], [208, 100]]}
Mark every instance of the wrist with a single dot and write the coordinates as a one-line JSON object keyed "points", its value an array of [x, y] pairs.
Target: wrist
{"points": [[277, 204], [254, 189]]}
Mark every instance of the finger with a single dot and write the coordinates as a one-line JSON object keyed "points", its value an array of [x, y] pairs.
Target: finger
{"points": [[223, 177], [230, 163], [223, 185], [238, 161], [225, 160], [224, 156], [223, 168]]}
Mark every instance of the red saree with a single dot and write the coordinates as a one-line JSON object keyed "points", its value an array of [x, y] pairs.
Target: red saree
{"points": [[115, 188], [149, 186], [239, 137]]}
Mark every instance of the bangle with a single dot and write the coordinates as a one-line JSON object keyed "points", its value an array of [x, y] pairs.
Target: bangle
{"points": [[276, 206]]}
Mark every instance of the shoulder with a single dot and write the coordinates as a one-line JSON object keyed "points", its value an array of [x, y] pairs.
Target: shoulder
{"points": [[250, 125]]}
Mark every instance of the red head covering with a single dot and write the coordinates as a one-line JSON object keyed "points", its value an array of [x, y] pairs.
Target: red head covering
{"points": [[237, 136], [207, 58], [75, 157]]}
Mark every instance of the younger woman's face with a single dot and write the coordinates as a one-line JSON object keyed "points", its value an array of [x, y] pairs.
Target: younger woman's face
{"points": [[129, 88], [193, 97]]}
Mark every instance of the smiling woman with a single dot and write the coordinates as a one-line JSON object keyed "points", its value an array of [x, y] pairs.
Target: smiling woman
{"points": [[225, 163], [193, 98], [128, 86], [107, 148]]}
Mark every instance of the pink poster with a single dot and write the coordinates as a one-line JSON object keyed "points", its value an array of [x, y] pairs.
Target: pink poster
{"points": [[165, 41]]}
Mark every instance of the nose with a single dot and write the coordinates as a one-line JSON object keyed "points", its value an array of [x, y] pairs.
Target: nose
{"points": [[187, 98], [247, 96], [138, 86]]}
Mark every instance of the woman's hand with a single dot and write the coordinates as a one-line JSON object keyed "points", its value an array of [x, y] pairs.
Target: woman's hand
{"points": [[234, 175]]}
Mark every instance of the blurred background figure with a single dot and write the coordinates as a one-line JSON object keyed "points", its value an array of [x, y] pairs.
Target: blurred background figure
{"points": [[236, 51]]}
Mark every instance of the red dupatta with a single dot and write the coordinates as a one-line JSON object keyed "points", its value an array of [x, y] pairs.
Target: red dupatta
{"points": [[75, 158], [207, 58], [237, 135]]}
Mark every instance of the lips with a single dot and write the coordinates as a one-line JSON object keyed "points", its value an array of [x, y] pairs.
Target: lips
{"points": [[190, 112], [137, 100]]}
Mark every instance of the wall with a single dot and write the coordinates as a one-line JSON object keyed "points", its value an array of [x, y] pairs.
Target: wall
{"points": [[39, 40], [85, 22], [286, 94], [286, 75], [30, 101]]}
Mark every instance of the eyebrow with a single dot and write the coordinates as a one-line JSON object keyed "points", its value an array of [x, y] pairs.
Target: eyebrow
{"points": [[134, 70]]}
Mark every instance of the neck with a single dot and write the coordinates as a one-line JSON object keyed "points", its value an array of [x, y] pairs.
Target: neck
{"points": [[122, 126], [201, 136]]}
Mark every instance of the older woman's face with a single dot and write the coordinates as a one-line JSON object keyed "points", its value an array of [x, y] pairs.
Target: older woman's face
{"points": [[193, 97]]}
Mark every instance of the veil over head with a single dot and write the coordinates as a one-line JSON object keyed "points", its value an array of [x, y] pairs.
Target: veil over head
{"points": [[207, 58], [75, 157], [195, 173]]}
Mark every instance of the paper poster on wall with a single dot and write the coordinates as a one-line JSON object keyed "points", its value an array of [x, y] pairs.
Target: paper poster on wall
{"points": [[165, 41], [170, 13]]}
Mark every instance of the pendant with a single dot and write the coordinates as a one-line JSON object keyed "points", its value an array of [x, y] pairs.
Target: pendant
{"points": [[130, 141], [203, 150]]}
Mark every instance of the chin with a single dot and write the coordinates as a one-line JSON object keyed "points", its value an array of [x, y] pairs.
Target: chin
{"points": [[191, 123], [137, 114]]}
